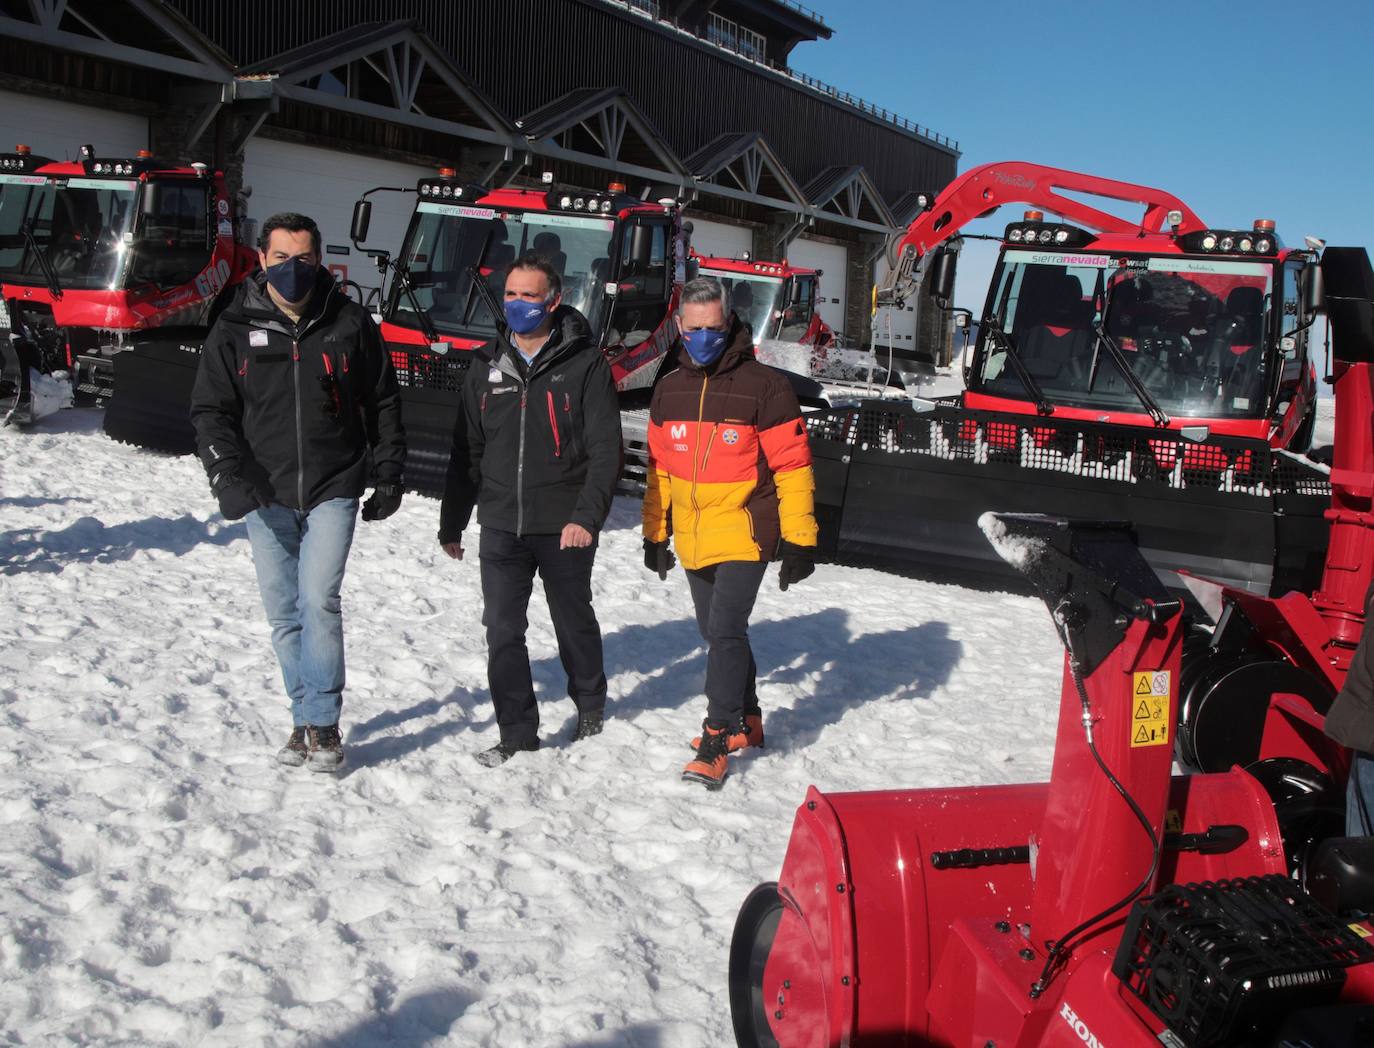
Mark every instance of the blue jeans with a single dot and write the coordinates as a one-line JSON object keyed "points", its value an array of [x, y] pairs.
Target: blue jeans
{"points": [[1359, 796], [300, 558]]}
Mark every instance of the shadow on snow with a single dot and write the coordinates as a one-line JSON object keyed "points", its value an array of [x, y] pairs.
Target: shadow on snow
{"points": [[89, 540]]}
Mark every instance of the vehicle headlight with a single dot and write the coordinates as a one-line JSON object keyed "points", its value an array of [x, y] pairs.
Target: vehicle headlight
{"points": [[1227, 243], [448, 191], [565, 202], [1046, 236], [1245, 244], [1061, 236], [1014, 236], [1209, 242], [1263, 246], [579, 204]]}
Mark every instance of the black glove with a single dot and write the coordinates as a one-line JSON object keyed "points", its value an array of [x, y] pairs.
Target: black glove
{"points": [[237, 498], [658, 557], [797, 563], [385, 500]]}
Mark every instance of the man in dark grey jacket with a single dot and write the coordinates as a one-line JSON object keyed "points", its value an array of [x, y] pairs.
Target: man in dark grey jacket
{"points": [[294, 394], [536, 448]]}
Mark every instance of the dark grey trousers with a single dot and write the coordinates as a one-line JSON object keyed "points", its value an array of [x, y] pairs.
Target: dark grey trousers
{"points": [[724, 596]]}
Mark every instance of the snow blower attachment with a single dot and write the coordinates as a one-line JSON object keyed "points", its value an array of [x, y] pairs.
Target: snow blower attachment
{"points": [[1085, 910]]}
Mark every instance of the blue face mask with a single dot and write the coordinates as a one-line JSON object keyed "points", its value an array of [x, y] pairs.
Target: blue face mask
{"points": [[523, 317], [293, 279], [704, 346]]}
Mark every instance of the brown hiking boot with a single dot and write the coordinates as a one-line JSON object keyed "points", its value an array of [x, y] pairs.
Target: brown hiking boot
{"points": [[296, 750], [712, 763], [326, 747]]}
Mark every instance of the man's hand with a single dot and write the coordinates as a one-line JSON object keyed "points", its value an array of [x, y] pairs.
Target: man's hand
{"points": [[453, 549], [798, 562], [574, 536], [658, 558], [385, 500], [237, 498]]}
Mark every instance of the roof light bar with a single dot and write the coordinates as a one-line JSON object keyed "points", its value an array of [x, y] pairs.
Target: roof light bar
{"points": [[1047, 234], [1260, 241]]}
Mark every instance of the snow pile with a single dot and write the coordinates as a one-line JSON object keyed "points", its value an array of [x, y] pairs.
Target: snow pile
{"points": [[1019, 551], [164, 882]]}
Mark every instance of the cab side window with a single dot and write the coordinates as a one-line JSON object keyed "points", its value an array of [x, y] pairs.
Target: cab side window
{"points": [[174, 244], [796, 318]]}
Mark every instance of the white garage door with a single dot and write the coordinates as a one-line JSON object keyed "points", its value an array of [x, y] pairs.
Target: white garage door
{"points": [[59, 129], [324, 184], [902, 320], [719, 238], [833, 260]]}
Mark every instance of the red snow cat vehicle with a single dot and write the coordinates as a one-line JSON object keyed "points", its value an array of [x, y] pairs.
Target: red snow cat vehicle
{"points": [[622, 260], [778, 302], [110, 270], [1154, 370], [1118, 904]]}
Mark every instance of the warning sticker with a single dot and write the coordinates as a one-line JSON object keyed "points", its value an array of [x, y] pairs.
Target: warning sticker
{"points": [[1150, 717], [1360, 930], [1173, 821]]}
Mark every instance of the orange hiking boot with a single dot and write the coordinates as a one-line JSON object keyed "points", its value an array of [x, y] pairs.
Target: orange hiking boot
{"points": [[712, 763], [747, 733]]}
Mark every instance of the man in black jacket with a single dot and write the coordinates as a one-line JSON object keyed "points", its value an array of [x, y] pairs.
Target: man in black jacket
{"points": [[536, 448], [294, 389]]}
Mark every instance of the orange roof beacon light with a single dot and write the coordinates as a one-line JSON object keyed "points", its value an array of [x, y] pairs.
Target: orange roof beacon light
{"points": [[1035, 216], [616, 187], [23, 150], [447, 172]]}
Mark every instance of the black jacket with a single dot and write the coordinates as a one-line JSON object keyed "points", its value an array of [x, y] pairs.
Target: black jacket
{"points": [[294, 408], [535, 448]]}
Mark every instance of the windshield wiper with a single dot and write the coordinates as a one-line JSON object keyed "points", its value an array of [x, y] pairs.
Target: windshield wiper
{"points": [[1043, 403], [44, 263], [1118, 356]]}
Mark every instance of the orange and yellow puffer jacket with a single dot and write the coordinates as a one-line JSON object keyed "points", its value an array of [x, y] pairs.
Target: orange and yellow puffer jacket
{"points": [[728, 460]]}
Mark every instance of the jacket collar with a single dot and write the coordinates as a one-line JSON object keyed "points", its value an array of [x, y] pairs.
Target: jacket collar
{"points": [[256, 307]]}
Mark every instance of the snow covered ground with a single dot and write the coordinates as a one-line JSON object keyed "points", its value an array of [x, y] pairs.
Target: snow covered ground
{"points": [[162, 881]]}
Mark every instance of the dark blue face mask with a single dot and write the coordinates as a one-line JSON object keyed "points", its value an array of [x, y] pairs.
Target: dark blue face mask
{"points": [[704, 346], [523, 317], [293, 279]]}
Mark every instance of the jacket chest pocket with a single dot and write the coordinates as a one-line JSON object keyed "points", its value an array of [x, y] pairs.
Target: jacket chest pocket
{"points": [[265, 374], [499, 407]]}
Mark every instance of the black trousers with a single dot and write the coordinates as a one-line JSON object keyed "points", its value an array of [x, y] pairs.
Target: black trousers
{"points": [[724, 596], [509, 563]]}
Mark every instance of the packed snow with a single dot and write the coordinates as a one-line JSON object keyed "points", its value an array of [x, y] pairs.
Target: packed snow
{"points": [[166, 883]]}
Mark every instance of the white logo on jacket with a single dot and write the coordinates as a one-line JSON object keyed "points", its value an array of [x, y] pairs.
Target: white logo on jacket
{"points": [[678, 431]]}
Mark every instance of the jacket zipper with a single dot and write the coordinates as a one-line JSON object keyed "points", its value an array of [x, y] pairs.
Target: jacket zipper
{"points": [[300, 440], [553, 422], [696, 458], [520, 466]]}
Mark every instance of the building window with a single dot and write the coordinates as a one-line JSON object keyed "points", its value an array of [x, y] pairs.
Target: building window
{"points": [[737, 38]]}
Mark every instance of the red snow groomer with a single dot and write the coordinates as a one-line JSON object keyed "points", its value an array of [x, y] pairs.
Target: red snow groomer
{"points": [[103, 256], [1117, 904], [778, 302], [1155, 370], [622, 260]]}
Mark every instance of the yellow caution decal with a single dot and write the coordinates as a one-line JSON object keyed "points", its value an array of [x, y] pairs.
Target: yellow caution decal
{"points": [[1150, 719]]}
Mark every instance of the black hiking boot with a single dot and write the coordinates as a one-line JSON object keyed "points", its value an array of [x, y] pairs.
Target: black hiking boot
{"points": [[502, 752], [588, 724], [326, 747], [296, 750]]}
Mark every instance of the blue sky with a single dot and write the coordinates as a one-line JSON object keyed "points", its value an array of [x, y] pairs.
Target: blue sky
{"points": [[1242, 108]]}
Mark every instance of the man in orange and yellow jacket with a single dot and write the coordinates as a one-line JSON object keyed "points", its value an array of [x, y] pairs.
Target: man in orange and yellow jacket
{"points": [[730, 480]]}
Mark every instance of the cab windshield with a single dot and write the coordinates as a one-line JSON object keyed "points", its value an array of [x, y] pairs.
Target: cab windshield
{"points": [[1192, 330], [82, 226], [754, 299], [446, 240]]}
